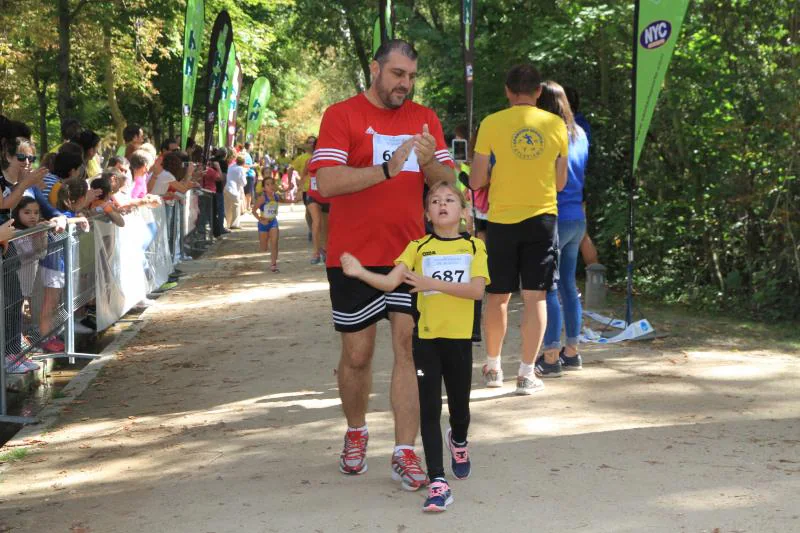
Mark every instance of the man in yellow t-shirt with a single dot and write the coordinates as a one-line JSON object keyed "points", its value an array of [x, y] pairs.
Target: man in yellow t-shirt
{"points": [[529, 147]]}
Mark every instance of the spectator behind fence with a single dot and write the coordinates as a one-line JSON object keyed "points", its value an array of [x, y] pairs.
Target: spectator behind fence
{"points": [[179, 166], [133, 135], [122, 164], [88, 141], [18, 178], [17, 167], [22, 255], [66, 165], [140, 161], [159, 183], [71, 198], [29, 248], [104, 203], [123, 200], [234, 192], [167, 146], [220, 159], [70, 127]]}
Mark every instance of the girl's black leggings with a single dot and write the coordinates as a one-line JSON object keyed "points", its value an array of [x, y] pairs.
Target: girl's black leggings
{"points": [[435, 360]]}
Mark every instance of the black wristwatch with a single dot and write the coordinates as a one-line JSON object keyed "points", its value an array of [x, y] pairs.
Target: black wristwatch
{"points": [[385, 167]]}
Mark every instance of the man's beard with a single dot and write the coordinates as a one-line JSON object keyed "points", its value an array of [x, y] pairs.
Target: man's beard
{"points": [[390, 99]]}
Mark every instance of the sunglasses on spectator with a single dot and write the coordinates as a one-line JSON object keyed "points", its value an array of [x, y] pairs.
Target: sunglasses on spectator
{"points": [[23, 157]]}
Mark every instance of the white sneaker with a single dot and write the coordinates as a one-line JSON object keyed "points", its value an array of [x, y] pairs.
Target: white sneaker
{"points": [[527, 386], [15, 367], [492, 378], [30, 364]]}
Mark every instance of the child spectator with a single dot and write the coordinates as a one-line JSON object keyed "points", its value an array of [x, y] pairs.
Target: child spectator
{"points": [[72, 198], [448, 272], [140, 162], [22, 256], [104, 203]]}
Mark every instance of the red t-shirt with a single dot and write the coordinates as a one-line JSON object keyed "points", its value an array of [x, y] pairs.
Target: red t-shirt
{"points": [[376, 224], [210, 177]]}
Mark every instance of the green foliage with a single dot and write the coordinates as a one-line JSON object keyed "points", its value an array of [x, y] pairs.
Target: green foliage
{"points": [[17, 454], [717, 205]]}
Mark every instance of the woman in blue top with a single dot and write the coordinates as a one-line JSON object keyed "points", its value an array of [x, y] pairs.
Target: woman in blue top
{"points": [[571, 228]]}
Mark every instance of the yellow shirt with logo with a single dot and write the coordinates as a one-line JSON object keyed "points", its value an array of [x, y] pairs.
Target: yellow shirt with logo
{"points": [[93, 168], [299, 164], [460, 259], [526, 141]]}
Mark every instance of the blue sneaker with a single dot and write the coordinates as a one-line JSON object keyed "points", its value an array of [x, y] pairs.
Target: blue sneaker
{"points": [[570, 363], [459, 458], [544, 369], [439, 497]]}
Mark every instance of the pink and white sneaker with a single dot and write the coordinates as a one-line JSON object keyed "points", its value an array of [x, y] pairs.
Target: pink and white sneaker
{"points": [[439, 497]]}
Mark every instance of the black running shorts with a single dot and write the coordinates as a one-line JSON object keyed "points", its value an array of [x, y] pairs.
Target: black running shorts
{"points": [[525, 252], [357, 305]]}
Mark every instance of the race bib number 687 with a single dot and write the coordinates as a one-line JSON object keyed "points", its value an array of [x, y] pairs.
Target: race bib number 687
{"points": [[450, 268]]}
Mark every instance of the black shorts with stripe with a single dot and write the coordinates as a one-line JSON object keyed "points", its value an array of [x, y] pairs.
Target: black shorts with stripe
{"points": [[357, 305]]}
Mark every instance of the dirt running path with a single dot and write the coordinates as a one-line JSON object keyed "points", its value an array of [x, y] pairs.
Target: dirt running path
{"points": [[223, 416]]}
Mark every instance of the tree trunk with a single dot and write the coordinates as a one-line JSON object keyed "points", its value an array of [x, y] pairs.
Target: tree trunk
{"points": [[65, 102], [603, 61], [435, 16], [358, 44], [111, 93], [155, 121], [196, 120], [40, 86]]}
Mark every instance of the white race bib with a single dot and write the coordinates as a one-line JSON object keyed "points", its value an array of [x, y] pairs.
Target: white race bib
{"points": [[384, 146], [313, 185], [271, 210], [451, 268]]}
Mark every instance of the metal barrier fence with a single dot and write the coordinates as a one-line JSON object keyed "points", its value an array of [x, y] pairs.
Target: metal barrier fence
{"points": [[48, 276]]}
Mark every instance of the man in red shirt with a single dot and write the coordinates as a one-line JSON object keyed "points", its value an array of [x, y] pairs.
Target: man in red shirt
{"points": [[374, 154]]}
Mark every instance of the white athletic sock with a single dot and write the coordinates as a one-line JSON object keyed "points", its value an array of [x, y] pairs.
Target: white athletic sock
{"points": [[400, 447], [525, 371], [362, 429], [492, 363]]}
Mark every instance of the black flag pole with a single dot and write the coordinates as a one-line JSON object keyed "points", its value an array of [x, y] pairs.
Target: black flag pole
{"points": [[221, 41], [468, 44], [384, 24]]}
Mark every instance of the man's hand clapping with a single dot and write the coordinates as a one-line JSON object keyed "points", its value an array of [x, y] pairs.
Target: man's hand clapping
{"points": [[424, 146]]}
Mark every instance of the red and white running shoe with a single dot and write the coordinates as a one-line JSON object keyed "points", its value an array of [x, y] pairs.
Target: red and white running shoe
{"points": [[406, 469], [353, 460]]}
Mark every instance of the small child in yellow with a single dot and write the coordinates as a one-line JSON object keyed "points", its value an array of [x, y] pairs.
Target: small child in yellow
{"points": [[448, 273]]}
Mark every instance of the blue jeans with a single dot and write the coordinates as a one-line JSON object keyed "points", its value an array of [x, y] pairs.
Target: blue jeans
{"points": [[570, 235]]}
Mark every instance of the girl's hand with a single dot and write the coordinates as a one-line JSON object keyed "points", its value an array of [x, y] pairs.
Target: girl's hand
{"points": [[418, 283], [350, 265], [60, 223], [6, 232]]}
